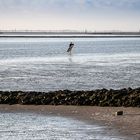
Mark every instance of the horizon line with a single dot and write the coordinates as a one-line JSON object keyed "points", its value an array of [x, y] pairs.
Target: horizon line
{"points": [[66, 31]]}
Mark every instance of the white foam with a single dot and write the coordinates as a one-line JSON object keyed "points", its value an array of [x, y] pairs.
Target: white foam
{"points": [[79, 59]]}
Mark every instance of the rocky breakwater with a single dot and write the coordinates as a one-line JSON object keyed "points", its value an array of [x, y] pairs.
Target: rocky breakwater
{"points": [[101, 97]]}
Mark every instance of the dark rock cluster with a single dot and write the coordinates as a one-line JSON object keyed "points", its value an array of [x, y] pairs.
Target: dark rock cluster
{"points": [[100, 97]]}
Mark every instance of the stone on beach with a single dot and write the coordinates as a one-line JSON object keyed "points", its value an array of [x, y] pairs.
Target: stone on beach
{"points": [[118, 113]]}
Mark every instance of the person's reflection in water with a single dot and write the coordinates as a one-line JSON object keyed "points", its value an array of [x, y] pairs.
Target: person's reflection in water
{"points": [[70, 59]]}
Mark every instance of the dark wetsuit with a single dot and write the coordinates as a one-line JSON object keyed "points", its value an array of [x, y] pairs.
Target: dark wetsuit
{"points": [[70, 47]]}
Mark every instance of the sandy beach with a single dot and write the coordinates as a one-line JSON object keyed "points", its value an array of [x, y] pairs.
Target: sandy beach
{"points": [[127, 124]]}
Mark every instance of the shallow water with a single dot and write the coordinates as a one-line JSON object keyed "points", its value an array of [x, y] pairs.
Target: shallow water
{"points": [[23, 126], [44, 65]]}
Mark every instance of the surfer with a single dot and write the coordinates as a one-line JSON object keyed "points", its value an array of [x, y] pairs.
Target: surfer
{"points": [[71, 45]]}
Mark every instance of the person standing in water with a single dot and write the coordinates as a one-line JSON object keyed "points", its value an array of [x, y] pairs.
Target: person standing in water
{"points": [[71, 45]]}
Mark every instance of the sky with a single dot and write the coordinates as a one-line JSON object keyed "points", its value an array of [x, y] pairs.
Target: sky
{"points": [[90, 15]]}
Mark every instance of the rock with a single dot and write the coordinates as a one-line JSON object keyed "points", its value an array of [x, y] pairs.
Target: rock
{"points": [[100, 97]]}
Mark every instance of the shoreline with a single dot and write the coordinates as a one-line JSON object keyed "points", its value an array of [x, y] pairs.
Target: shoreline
{"points": [[126, 125], [93, 107], [69, 36]]}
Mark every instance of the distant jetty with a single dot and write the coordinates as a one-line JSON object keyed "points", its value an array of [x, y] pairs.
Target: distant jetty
{"points": [[65, 34], [101, 97]]}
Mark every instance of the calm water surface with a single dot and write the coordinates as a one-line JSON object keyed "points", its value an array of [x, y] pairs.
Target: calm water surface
{"points": [[44, 65]]}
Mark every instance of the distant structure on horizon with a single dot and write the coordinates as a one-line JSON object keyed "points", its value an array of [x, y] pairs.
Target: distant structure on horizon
{"points": [[67, 32]]}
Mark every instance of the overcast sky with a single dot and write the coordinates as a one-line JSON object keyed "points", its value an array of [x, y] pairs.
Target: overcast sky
{"points": [[70, 14]]}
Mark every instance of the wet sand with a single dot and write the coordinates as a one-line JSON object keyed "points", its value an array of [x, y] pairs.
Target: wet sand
{"points": [[127, 124]]}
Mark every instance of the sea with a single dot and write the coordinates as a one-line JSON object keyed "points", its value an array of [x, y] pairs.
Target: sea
{"points": [[43, 64]]}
